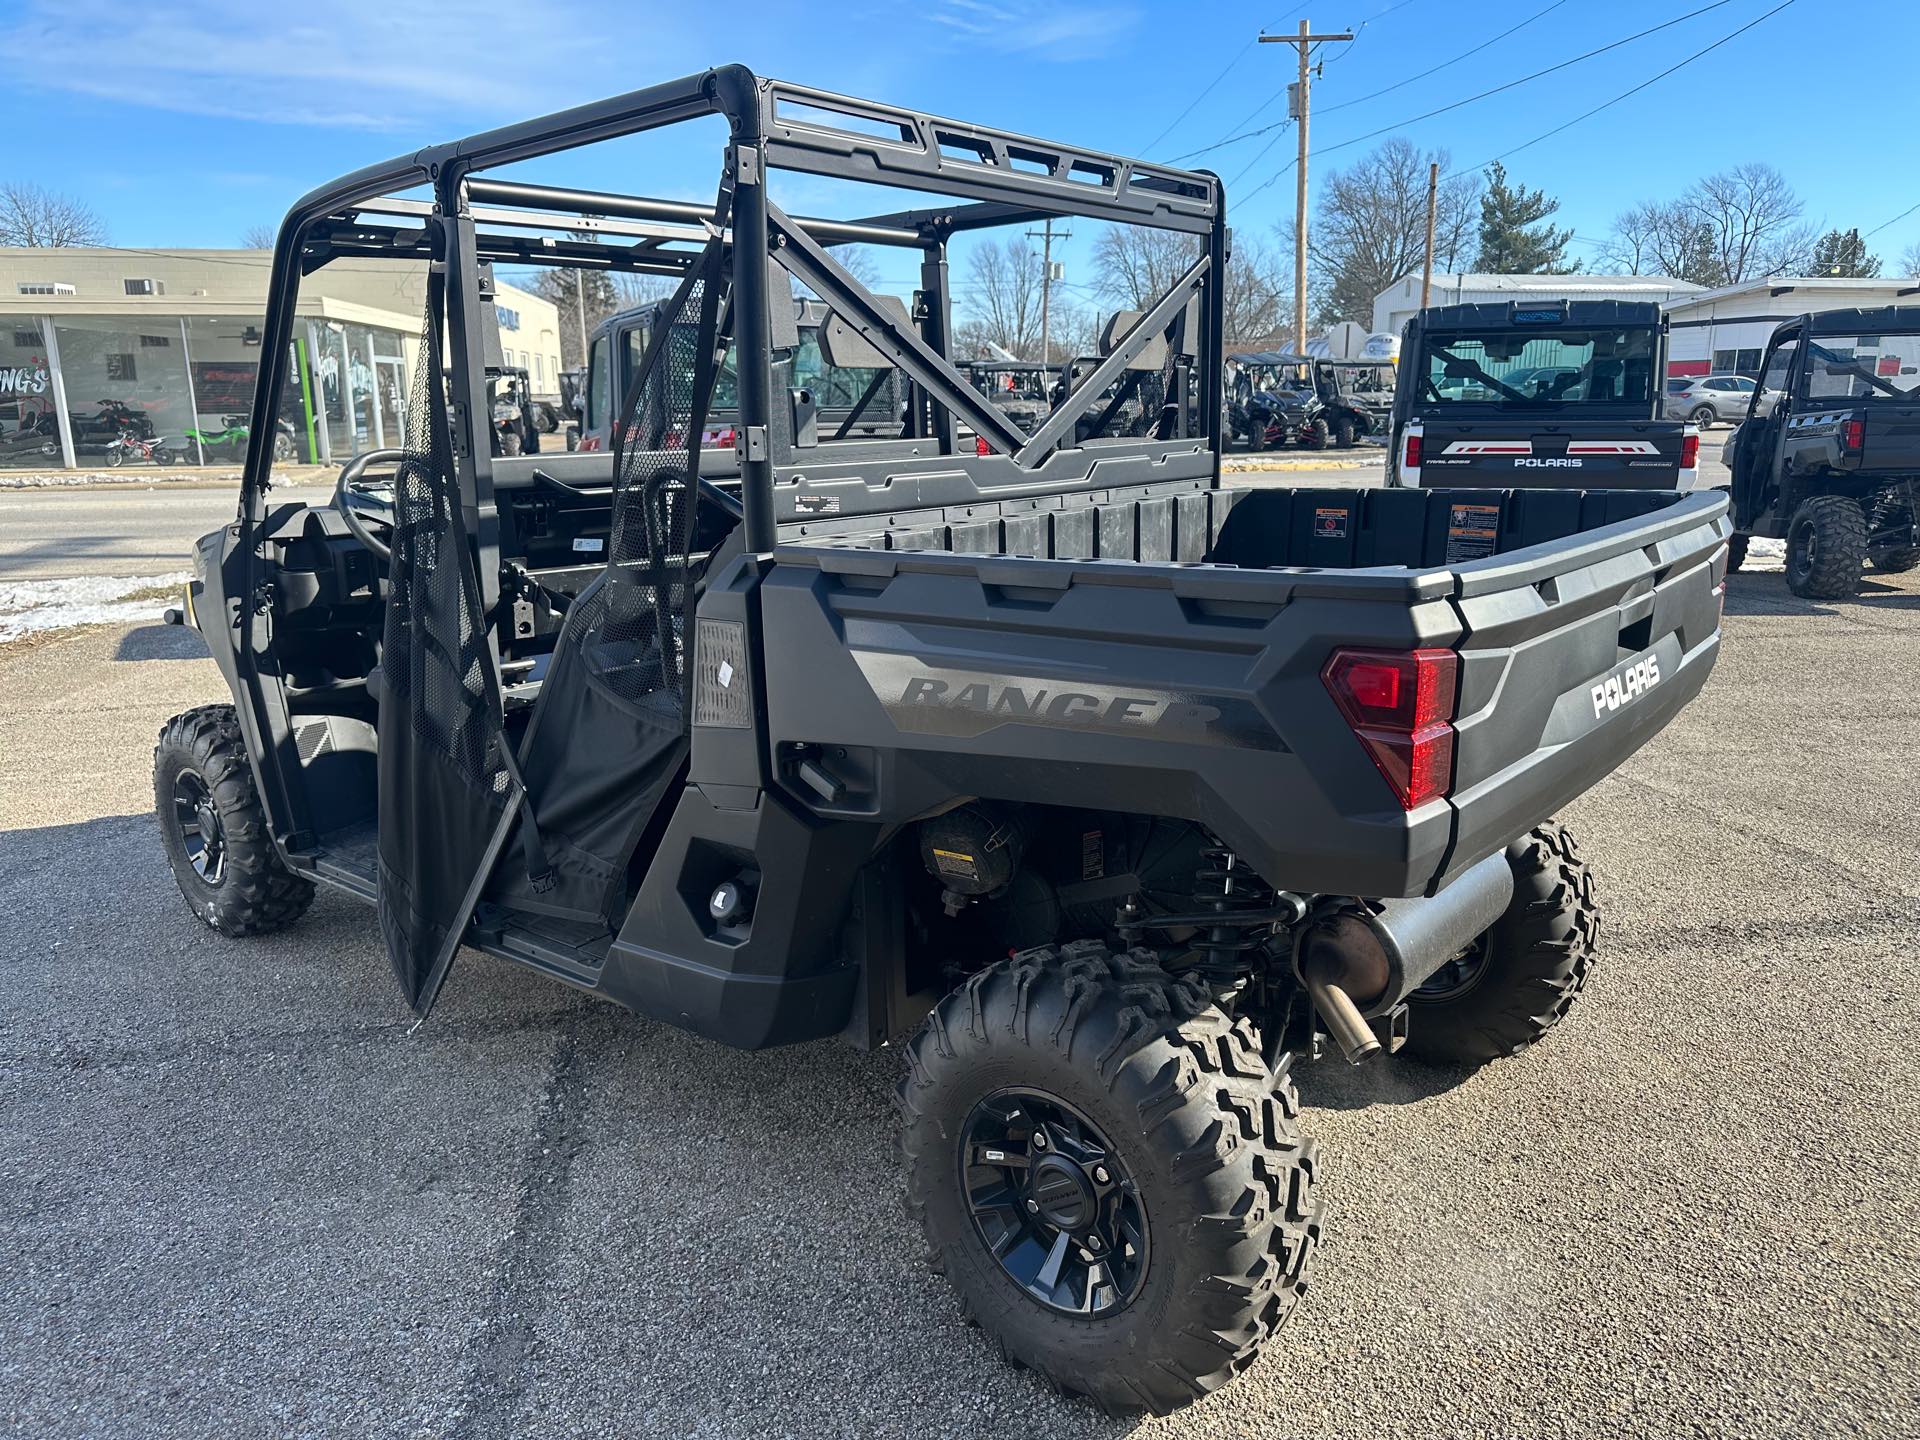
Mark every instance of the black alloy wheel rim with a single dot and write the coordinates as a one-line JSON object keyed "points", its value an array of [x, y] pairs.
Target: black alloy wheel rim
{"points": [[1456, 977], [202, 835], [1054, 1204], [1802, 551]]}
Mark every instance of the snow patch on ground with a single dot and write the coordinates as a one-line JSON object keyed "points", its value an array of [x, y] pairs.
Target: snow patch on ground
{"points": [[29, 607], [1766, 555]]}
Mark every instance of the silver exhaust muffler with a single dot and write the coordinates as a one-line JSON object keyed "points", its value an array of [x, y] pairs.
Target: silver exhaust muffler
{"points": [[1363, 959]]}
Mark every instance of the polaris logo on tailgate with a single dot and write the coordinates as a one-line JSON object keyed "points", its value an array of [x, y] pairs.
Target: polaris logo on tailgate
{"points": [[1549, 462], [1629, 685]]}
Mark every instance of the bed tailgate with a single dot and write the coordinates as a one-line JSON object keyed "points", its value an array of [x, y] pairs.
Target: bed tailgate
{"points": [[1574, 657]]}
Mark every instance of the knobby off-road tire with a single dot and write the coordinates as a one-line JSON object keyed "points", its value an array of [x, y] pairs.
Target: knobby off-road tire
{"points": [[1314, 434], [1736, 552], [1894, 562], [1203, 1130], [1826, 548], [1526, 971], [239, 886], [1343, 433]]}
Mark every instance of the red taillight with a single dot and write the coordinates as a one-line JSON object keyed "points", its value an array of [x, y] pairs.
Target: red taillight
{"points": [[1853, 434], [1412, 460], [1399, 704], [980, 446], [1690, 453]]}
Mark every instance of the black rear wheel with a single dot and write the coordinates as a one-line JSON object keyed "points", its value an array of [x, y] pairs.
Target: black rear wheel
{"points": [[1826, 548], [1895, 562], [215, 827], [1517, 981], [1109, 1173]]}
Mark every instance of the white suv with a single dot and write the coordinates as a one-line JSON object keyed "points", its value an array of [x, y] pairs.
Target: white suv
{"points": [[1709, 399]]}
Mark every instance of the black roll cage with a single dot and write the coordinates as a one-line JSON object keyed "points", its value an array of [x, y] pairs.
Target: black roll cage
{"points": [[1004, 178]]}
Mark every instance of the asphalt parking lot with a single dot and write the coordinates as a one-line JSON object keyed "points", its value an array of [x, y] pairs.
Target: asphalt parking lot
{"points": [[243, 1196]]}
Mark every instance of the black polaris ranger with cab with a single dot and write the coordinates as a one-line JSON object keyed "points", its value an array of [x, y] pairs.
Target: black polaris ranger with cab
{"points": [[1101, 786], [1828, 458], [1547, 394]]}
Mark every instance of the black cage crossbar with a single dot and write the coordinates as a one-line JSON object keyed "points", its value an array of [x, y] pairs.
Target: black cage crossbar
{"points": [[993, 176]]}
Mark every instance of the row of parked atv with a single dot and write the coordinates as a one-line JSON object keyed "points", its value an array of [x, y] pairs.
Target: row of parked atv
{"points": [[1275, 399]]}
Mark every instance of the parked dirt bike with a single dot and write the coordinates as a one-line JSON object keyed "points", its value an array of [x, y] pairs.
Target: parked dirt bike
{"points": [[230, 444], [151, 449]]}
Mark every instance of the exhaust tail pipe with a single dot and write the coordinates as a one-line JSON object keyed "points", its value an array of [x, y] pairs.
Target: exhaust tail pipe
{"points": [[1362, 961]]}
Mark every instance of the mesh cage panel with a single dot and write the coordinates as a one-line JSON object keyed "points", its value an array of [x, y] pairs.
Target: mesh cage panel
{"points": [[434, 656], [636, 630]]}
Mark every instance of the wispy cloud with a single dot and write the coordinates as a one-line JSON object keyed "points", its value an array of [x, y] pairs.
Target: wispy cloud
{"points": [[357, 64], [1057, 32]]}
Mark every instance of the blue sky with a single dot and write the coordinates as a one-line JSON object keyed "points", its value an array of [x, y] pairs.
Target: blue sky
{"points": [[185, 123]]}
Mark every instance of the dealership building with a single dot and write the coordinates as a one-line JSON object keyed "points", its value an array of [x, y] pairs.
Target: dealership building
{"points": [[166, 343], [1724, 331]]}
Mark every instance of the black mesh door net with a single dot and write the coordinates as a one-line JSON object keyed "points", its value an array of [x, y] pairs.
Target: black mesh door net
{"points": [[444, 781], [609, 737]]}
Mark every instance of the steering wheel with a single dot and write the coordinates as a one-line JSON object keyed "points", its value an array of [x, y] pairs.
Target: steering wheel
{"points": [[357, 502]]}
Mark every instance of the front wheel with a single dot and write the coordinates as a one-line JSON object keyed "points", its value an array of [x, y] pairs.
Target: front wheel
{"points": [[1109, 1173], [1343, 433], [1517, 981], [1314, 434], [215, 828], [1826, 548]]}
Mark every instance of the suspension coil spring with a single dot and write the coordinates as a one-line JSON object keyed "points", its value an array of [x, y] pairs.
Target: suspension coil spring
{"points": [[1241, 906]]}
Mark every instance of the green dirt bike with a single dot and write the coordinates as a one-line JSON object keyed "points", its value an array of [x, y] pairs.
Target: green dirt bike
{"points": [[230, 444]]}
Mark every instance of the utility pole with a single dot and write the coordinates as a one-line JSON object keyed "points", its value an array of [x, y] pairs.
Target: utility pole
{"points": [[1046, 238], [1433, 205], [580, 312], [1298, 109]]}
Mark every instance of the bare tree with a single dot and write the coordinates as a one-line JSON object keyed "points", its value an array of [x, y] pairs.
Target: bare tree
{"points": [[1660, 237], [1135, 265], [1004, 282], [1259, 292], [1370, 228], [1910, 260], [1753, 220], [258, 237], [33, 215], [1739, 224]]}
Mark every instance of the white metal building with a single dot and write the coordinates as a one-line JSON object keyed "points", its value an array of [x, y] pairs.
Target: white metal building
{"points": [[1724, 331], [1399, 302], [171, 337]]}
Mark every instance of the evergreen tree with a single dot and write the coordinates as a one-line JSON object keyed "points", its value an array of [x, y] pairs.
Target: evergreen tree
{"points": [[1512, 239], [1844, 254]]}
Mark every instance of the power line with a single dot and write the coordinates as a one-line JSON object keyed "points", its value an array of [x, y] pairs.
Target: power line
{"points": [[1239, 55], [1444, 64], [1498, 89], [1651, 80], [1895, 221]]}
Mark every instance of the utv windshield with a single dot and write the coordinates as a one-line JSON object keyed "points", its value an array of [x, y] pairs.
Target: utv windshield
{"points": [[1863, 367], [1566, 367]]}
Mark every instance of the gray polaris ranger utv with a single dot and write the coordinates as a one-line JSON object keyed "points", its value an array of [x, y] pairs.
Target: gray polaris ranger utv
{"points": [[1100, 788]]}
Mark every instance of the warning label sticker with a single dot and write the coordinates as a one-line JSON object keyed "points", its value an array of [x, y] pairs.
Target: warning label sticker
{"points": [[1330, 523], [1472, 531], [952, 862]]}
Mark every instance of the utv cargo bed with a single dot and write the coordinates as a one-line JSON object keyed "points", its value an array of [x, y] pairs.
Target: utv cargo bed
{"points": [[906, 641]]}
